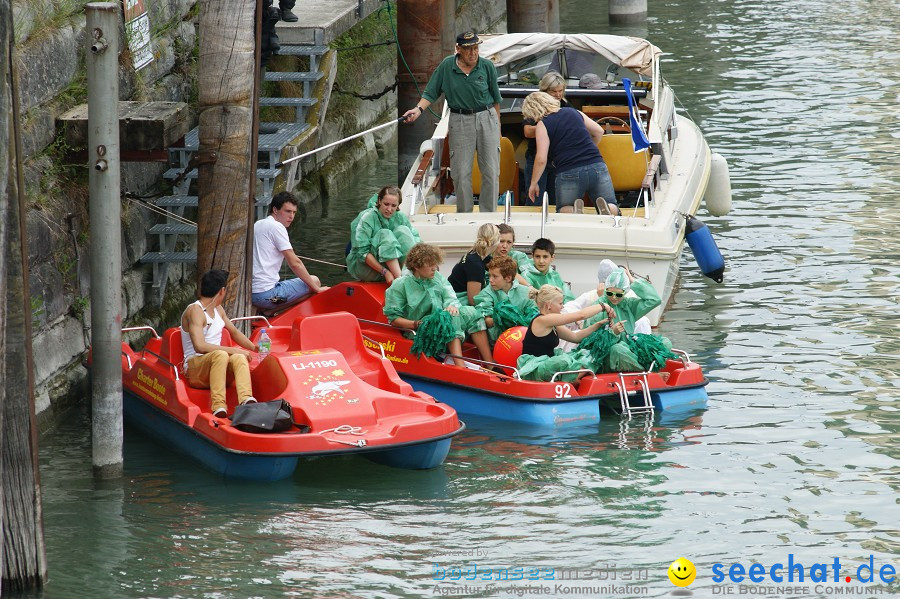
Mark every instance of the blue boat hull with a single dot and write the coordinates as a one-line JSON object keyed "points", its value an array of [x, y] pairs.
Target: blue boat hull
{"points": [[545, 413], [578, 412], [261, 467]]}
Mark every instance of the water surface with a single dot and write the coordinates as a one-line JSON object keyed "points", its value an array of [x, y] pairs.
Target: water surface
{"points": [[796, 454]]}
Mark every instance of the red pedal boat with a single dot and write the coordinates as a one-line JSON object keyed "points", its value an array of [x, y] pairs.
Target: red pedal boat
{"points": [[348, 395], [506, 396]]}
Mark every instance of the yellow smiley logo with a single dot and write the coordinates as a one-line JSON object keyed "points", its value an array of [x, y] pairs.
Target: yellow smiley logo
{"points": [[682, 572]]}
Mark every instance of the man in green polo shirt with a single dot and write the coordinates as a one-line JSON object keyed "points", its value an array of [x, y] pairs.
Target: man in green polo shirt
{"points": [[469, 84]]}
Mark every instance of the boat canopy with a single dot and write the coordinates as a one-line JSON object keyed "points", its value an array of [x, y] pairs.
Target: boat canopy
{"points": [[630, 52]]}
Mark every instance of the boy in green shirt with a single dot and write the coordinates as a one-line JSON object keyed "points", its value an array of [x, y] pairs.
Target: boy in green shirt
{"points": [[542, 252], [505, 303]]}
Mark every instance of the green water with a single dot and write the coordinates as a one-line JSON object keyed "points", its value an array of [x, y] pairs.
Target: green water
{"points": [[797, 453]]}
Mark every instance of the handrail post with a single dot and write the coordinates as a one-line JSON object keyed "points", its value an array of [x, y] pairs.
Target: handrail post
{"points": [[507, 208], [545, 202]]}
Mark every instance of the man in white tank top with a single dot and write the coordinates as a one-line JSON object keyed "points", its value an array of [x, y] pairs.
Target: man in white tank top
{"points": [[207, 363]]}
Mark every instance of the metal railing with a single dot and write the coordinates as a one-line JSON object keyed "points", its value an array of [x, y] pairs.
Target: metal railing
{"points": [[561, 372], [145, 327], [386, 324], [161, 359], [263, 318], [380, 347], [485, 362]]}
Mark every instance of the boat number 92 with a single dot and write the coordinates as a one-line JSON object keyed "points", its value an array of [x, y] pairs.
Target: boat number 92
{"points": [[317, 364], [563, 390]]}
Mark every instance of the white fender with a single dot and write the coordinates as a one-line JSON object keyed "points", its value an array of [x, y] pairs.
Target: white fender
{"points": [[718, 192]]}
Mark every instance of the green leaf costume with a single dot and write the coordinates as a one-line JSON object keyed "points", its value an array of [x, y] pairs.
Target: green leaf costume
{"points": [[385, 238], [630, 353], [542, 368], [508, 309], [415, 298], [551, 277]]}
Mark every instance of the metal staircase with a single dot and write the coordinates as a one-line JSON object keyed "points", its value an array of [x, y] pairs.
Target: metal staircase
{"points": [[177, 235]]}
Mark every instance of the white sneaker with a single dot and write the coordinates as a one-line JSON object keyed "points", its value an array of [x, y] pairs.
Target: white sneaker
{"points": [[578, 206], [220, 413], [602, 206], [248, 400]]}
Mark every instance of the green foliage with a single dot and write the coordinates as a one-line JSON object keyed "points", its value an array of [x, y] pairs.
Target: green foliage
{"points": [[37, 306], [79, 306], [60, 13]]}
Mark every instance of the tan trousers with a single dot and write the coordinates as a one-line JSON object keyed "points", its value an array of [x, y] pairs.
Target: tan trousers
{"points": [[215, 370]]}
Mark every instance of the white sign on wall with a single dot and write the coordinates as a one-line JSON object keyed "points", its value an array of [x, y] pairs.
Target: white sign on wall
{"points": [[137, 33]]}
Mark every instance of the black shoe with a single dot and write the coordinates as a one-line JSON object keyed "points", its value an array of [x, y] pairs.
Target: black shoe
{"points": [[288, 17]]}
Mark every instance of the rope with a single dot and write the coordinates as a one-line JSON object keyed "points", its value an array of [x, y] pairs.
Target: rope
{"points": [[337, 89], [346, 429], [322, 261], [338, 142], [369, 45]]}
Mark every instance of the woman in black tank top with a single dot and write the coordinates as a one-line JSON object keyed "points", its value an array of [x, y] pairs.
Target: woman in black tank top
{"points": [[548, 328]]}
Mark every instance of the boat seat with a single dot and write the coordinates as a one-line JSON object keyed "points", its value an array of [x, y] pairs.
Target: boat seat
{"points": [[627, 169], [340, 331]]}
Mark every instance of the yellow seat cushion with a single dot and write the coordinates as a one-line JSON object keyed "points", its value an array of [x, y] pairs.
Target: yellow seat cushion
{"points": [[626, 168]]}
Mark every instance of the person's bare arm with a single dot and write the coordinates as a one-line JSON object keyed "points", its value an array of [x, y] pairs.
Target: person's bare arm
{"points": [[540, 160], [596, 131], [237, 336], [297, 267]]}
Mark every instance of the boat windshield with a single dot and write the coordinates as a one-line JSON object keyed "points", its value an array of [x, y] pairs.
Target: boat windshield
{"points": [[572, 64]]}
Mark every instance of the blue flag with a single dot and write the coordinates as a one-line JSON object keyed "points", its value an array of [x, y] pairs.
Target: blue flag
{"points": [[638, 137]]}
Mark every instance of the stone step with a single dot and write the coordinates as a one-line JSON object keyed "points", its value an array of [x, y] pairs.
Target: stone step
{"points": [[173, 229], [162, 257], [292, 76], [287, 102], [261, 173], [302, 50]]}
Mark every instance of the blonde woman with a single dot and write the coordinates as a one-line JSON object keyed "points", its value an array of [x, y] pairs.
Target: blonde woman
{"points": [[554, 84], [468, 275], [540, 359], [569, 139]]}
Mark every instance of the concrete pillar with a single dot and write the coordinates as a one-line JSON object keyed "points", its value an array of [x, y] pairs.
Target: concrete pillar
{"points": [[103, 21], [426, 29], [627, 11], [525, 16]]}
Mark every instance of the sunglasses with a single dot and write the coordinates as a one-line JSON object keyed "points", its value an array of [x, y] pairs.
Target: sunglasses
{"points": [[612, 294]]}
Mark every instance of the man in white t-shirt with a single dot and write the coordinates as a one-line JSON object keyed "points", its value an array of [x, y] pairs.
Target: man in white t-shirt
{"points": [[271, 246]]}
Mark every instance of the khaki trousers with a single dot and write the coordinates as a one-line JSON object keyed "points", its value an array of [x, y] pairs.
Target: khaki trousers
{"points": [[215, 370], [468, 133]]}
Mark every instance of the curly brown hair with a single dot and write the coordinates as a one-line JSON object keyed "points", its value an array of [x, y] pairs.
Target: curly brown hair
{"points": [[506, 265], [423, 254]]}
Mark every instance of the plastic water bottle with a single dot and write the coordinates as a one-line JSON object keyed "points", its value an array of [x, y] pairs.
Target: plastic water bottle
{"points": [[265, 345]]}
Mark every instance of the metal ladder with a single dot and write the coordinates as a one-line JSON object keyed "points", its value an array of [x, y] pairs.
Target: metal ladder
{"points": [[627, 409], [177, 239]]}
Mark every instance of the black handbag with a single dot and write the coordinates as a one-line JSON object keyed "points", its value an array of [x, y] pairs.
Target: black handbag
{"points": [[273, 416]]}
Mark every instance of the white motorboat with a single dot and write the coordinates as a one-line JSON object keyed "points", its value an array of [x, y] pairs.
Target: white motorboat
{"points": [[662, 183]]}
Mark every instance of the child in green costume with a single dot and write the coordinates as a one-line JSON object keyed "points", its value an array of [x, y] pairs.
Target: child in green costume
{"points": [[504, 303], [542, 252], [380, 237], [632, 352], [423, 291]]}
